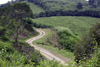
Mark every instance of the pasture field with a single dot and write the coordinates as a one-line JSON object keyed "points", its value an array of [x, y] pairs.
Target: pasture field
{"points": [[77, 24], [35, 8]]}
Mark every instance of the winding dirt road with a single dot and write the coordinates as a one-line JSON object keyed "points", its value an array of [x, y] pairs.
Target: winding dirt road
{"points": [[43, 51]]}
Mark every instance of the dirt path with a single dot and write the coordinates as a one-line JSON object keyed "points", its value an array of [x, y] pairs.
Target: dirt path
{"points": [[43, 51]]}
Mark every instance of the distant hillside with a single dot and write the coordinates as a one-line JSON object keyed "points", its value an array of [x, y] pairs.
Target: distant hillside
{"points": [[47, 8], [78, 25]]}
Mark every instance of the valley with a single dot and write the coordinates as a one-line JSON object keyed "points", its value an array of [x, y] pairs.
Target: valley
{"points": [[50, 33]]}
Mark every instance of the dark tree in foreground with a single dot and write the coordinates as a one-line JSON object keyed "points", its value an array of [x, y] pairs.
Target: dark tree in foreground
{"points": [[86, 47], [21, 10], [17, 11]]}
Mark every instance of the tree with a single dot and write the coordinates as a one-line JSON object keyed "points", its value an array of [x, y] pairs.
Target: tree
{"points": [[98, 2], [30, 1], [86, 47], [21, 10], [18, 11], [91, 2], [79, 6]]}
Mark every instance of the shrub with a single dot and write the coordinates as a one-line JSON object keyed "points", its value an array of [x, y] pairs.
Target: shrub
{"points": [[85, 47], [48, 63], [68, 39]]}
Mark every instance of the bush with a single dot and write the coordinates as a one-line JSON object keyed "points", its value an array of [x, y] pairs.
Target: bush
{"points": [[68, 39], [93, 62], [79, 6], [7, 47], [48, 63], [42, 26], [28, 23], [85, 47], [5, 38]]}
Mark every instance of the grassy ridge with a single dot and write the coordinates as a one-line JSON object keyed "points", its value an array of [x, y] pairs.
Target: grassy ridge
{"points": [[35, 8], [78, 25]]}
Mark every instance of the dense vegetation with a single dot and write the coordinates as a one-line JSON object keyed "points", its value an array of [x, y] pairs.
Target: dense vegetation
{"points": [[67, 8], [89, 54], [13, 29], [67, 39]]}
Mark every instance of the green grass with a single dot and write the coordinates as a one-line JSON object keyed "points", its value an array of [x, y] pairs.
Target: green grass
{"points": [[76, 24], [62, 52], [35, 8]]}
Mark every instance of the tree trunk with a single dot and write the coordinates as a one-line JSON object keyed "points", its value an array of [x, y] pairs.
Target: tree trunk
{"points": [[16, 39]]}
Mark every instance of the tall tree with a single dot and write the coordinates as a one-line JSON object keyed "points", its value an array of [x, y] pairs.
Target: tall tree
{"points": [[79, 6], [91, 2], [18, 11], [98, 2], [21, 10]]}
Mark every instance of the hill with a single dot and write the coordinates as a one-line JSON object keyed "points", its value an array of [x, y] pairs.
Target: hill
{"points": [[47, 8], [78, 25], [35, 8]]}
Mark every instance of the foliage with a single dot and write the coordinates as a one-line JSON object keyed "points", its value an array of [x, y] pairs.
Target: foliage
{"points": [[68, 39], [21, 57], [11, 24], [84, 49], [48, 63], [91, 2], [42, 26], [79, 6], [95, 32], [47, 8], [93, 62], [90, 13], [15, 14], [2, 31], [87, 45], [28, 24], [56, 8]]}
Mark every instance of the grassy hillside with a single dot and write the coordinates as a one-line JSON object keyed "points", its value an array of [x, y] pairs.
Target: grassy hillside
{"points": [[76, 24], [35, 8]]}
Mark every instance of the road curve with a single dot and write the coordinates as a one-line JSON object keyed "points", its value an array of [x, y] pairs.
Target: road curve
{"points": [[43, 51]]}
